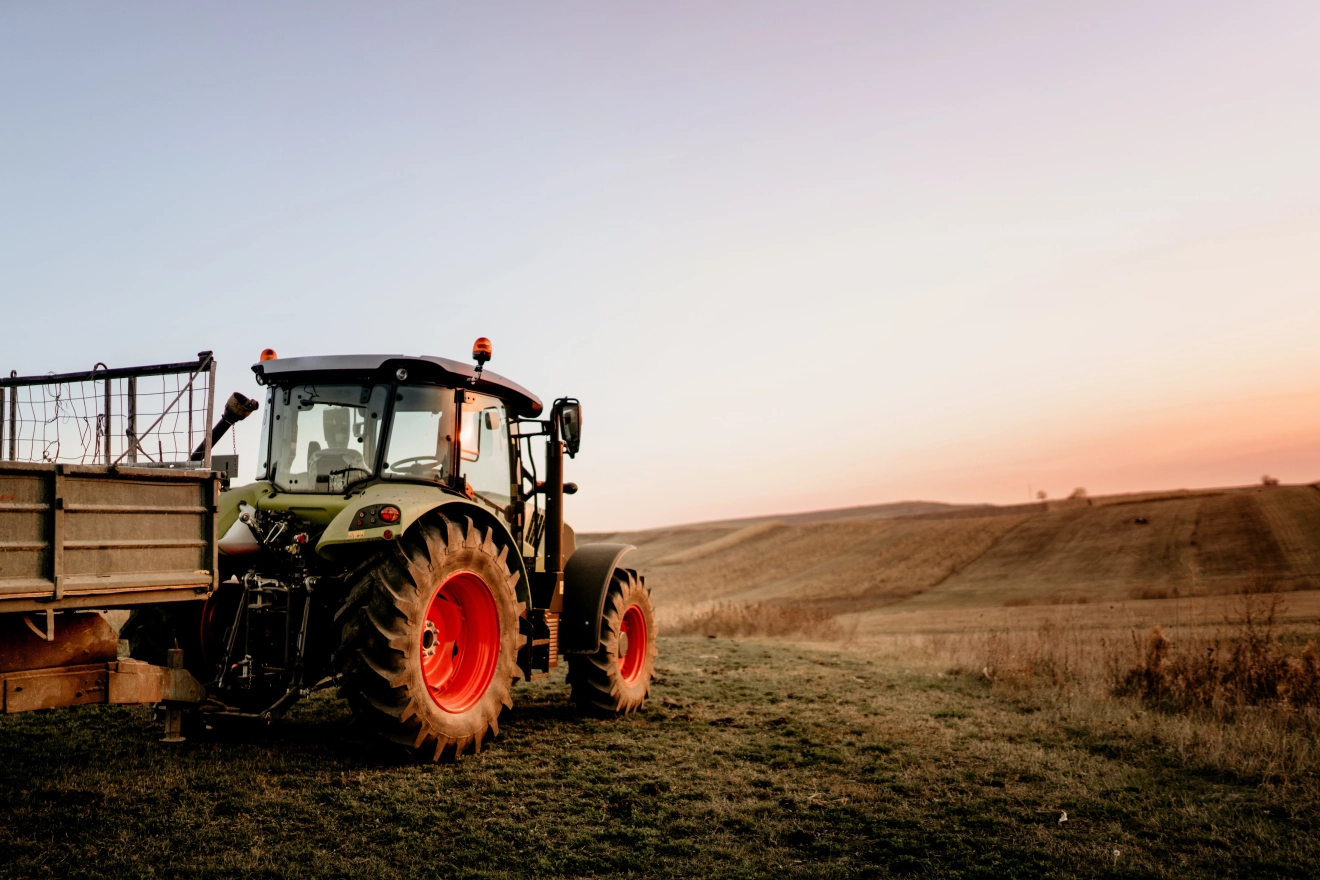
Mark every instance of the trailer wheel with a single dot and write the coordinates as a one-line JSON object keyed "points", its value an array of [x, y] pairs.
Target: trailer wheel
{"points": [[617, 678], [430, 639]]}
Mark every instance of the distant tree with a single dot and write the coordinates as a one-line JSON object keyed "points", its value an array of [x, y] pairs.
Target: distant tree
{"points": [[1040, 494], [1267, 480], [1079, 492]]}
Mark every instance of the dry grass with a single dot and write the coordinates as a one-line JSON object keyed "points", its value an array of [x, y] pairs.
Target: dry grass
{"points": [[852, 563], [1245, 667], [755, 619], [1218, 689], [1240, 696], [725, 542], [1001, 599]]}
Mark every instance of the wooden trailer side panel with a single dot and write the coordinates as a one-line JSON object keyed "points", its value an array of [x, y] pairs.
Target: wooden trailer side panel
{"points": [[74, 536]]}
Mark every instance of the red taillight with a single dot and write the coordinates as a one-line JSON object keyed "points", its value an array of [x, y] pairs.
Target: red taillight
{"points": [[389, 514]]}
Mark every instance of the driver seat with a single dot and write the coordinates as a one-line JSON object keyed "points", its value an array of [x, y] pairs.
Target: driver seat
{"points": [[323, 461]]}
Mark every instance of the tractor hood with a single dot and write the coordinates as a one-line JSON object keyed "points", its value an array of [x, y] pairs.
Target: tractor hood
{"points": [[381, 368]]}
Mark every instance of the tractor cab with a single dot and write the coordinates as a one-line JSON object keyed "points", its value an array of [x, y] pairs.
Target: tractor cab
{"points": [[335, 423], [399, 522]]}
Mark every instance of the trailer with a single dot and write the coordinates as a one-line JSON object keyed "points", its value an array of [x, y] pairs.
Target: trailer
{"points": [[103, 507]]}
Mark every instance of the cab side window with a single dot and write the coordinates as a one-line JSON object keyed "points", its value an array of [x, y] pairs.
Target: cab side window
{"points": [[485, 445]]}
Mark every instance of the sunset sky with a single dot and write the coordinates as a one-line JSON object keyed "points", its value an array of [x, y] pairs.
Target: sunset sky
{"points": [[789, 255]]}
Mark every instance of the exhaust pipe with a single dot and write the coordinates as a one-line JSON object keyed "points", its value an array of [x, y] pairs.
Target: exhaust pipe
{"points": [[237, 408]]}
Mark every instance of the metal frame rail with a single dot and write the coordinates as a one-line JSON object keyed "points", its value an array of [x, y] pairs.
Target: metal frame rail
{"points": [[132, 443], [89, 515]]}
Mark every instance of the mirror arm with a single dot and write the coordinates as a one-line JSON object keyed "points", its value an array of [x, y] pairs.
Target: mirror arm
{"points": [[540, 489], [543, 425]]}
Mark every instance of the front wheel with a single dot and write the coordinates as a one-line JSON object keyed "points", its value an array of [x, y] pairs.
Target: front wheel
{"points": [[431, 637], [617, 678]]}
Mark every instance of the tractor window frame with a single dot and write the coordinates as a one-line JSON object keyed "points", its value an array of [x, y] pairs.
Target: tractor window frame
{"points": [[267, 425]]}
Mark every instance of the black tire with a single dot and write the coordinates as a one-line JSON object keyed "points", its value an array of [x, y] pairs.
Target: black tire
{"points": [[383, 647], [611, 681]]}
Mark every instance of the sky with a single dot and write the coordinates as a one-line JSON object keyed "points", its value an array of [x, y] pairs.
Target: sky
{"points": [[790, 256]]}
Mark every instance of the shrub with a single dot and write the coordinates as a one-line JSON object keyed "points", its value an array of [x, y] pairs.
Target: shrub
{"points": [[1248, 668]]}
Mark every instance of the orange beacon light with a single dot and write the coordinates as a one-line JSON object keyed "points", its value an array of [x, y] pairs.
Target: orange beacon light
{"points": [[481, 351]]}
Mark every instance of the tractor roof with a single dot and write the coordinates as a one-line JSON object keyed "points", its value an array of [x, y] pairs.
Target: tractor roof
{"points": [[382, 367]]}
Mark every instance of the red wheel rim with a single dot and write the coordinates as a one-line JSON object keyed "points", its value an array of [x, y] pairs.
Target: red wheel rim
{"points": [[633, 634], [460, 642]]}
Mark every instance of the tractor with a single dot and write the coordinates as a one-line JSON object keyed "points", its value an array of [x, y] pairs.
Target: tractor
{"points": [[401, 544]]}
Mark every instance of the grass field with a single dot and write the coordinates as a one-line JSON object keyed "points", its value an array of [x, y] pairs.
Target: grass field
{"points": [[754, 758]]}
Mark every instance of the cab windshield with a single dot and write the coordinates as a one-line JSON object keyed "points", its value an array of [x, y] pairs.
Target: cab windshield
{"points": [[324, 437]]}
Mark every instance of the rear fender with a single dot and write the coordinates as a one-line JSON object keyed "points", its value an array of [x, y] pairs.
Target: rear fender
{"points": [[586, 583], [342, 541], [342, 535]]}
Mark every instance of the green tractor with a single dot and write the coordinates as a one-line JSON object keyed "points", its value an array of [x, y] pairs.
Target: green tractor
{"points": [[400, 544]]}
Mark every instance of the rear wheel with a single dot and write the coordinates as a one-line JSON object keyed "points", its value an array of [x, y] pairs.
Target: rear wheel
{"points": [[430, 639], [617, 678]]}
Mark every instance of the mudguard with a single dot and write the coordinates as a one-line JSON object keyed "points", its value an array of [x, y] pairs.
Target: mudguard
{"points": [[586, 581], [414, 502]]}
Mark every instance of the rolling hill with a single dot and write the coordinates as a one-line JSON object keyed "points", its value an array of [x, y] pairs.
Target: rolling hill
{"points": [[1144, 546]]}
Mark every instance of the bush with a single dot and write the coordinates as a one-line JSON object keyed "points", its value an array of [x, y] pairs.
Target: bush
{"points": [[1249, 668]]}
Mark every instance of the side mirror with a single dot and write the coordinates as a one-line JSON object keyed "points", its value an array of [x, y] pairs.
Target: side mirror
{"points": [[570, 425]]}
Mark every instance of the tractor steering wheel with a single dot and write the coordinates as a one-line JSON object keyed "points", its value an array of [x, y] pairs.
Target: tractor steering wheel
{"points": [[415, 469]]}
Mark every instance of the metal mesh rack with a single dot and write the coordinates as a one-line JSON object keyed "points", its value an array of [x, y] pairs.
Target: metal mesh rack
{"points": [[152, 416]]}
